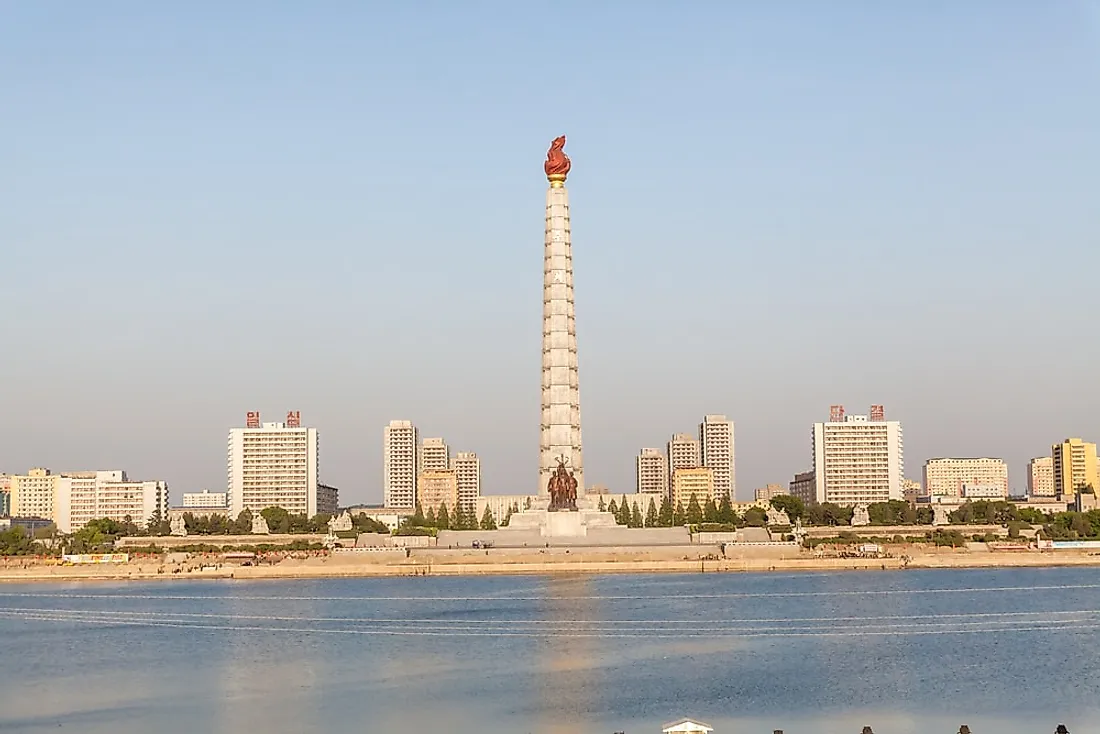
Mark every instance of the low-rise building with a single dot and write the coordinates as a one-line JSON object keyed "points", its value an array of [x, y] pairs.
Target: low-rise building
{"points": [[911, 490], [769, 492], [437, 487], [983, 492], [696, 482], [206, 499]]}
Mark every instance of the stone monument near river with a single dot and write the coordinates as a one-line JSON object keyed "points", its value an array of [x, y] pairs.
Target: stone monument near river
{"points": [[561, 507]]}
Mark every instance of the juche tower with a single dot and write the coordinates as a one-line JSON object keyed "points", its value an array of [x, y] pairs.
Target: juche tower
{"points": [[560, 436]]}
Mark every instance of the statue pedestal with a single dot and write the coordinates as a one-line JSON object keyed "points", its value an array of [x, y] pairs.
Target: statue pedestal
{"points": [[562, 524]]}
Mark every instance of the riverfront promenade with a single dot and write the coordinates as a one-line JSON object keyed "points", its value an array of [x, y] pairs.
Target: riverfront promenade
{"points": [[524, 562]]}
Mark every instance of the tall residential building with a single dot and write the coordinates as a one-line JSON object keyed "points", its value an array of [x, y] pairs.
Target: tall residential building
{"points": [[857, 459], [804, 487], [435, 455], [960, 477], [33, 493], [437, 487], [1040, 477], [328, 499], [651, 470], [85, 496], [698, 481], [1074, 466], [684, 452], [399, 465], [768, 493], [468, 473], [716, 436], [273, 465]]}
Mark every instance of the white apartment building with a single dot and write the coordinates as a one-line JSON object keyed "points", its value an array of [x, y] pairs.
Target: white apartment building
{"points": [[435, 455], [85, 496], [467, 468], [206, 500], [273, 465], [1040, 477], [684, 452], [33, 494], [946, 477], [651, 471], [858, 459], [716, 436], [400, 454]]}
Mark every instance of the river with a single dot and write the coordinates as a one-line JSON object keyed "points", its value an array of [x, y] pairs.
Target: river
{"points": [[1006, 651]]}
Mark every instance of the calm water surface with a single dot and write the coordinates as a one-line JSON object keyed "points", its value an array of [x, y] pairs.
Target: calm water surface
{"points": [[1007, 651]]}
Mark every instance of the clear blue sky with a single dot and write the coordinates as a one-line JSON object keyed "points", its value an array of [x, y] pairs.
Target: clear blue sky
{"points": [[208, 208]]}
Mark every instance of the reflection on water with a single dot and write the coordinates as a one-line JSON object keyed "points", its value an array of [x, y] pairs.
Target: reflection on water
{"points": [[267, 682], [569, 680]]}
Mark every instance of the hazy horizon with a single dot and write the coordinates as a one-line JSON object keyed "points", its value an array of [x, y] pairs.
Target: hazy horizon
{"points": [[210, 209]]}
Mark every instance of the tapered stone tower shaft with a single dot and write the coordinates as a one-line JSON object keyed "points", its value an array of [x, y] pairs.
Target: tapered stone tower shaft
{"points": [[561, 405]]}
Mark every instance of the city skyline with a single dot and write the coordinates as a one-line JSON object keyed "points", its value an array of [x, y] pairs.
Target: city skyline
{"points": [[808, 216], [468, 463]]}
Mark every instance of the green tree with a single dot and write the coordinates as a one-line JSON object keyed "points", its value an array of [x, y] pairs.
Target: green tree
{"points": [[364, 524], [278, 519], [677, 515], [418, 519], [710, 511], [487, 521], [15, 542], [243, 524], [664, 515], [636, 520], [613, 508], [756, 517], [443, 518], [651, 517], [624, 512], [793, 506], [319, 522], [429, 519], [694, 513], [507, 518], [458, 519], [725, 511], [603, 505]]}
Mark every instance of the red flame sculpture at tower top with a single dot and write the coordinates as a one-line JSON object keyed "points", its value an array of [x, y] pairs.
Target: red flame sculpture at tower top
{"points": [[557, 162]]}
